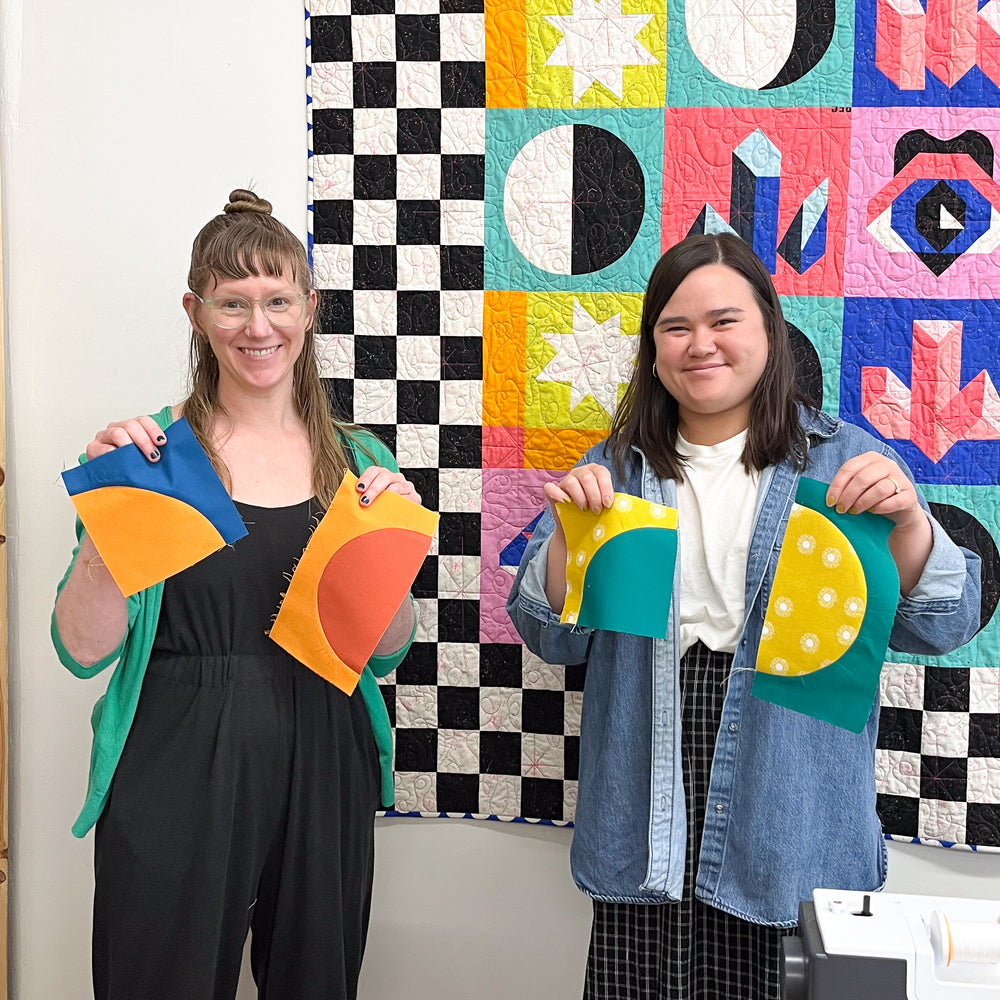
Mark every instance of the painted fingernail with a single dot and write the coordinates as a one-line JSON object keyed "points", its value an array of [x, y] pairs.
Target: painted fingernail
{"points": [[841, 509], [154, 455], [853, 510], [161, 439], [829, 499], [365, 501], [361, 486]]}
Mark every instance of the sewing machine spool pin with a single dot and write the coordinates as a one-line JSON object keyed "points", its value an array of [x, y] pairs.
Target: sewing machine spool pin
{"points": [[909, 948]]}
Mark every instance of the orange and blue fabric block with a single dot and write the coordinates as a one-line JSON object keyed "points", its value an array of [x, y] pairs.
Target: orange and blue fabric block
{"points": [[353, 575], [150, 520]]}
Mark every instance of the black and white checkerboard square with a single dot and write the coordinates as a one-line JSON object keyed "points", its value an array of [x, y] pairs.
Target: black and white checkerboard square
{"points": [[409, 365], [485, 730], [398, 101], [938, 754]]}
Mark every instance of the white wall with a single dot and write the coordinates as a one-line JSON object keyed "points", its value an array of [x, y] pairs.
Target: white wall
{"points": [[124, 126]]}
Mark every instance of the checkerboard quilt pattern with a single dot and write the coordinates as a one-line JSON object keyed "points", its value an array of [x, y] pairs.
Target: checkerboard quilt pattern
{"points": [[398, 142], [485, 730], [938, 755], [397, 133]]}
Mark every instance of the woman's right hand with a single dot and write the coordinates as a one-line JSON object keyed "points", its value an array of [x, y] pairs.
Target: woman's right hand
{"points": [[143, 432], [91, 614], [588, 486]]}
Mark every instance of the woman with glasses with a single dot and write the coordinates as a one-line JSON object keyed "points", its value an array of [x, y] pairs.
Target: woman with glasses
{"points": [[232, 788]]}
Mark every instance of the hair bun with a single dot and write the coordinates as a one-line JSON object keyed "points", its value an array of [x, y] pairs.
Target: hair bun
{"points": [[242, 200]]}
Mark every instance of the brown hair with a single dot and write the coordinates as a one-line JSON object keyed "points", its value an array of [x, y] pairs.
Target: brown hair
{"points": [[247, 240], [647, 416]]}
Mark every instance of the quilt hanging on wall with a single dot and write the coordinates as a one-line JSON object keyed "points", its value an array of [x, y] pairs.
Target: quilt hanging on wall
{"points": [[490, 186]]}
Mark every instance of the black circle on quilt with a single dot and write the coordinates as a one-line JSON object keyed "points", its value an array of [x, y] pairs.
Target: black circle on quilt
{"points": [[609, 198], [965, 530], [808, 369], [814, 24]]}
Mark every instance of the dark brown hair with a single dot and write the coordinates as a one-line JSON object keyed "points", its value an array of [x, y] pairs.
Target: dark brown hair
{"points": [[647, 416], [247, 240]]}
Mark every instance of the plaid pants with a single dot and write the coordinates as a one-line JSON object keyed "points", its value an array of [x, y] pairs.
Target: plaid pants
{"points": [[686, 950]]}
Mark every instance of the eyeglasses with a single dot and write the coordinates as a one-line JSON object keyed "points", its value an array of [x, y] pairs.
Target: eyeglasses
{"points": [[230, 312]]}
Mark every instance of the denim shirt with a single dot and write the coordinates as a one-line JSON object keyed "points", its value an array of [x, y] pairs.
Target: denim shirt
{"points": [[791, 803]]}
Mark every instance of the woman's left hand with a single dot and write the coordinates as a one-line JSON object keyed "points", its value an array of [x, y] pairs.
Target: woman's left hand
{"points": [[376, 480], [875, 483]]}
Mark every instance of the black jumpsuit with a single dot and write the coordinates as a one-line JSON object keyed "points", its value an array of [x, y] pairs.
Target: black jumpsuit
{"points": [[244, 798]]}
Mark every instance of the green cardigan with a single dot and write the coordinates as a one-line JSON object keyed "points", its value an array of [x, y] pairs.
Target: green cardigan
{"points": [[112, 716]]}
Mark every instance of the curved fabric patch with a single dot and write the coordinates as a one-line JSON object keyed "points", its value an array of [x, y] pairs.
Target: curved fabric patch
{"points": [[620, 565], [818, 598], [356, 568], [644, 554], [173, 534], [353, 575], [830, 612], [150, 520]]}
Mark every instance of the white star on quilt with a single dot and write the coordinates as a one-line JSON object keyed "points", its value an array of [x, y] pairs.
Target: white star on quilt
{"points": [[595, 359], [598, 41]]}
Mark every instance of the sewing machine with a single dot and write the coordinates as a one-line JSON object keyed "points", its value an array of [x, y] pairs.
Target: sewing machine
{"points": [[886, 946]]}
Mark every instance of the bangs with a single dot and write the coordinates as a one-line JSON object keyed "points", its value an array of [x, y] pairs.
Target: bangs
{"points": [[249, 247]]}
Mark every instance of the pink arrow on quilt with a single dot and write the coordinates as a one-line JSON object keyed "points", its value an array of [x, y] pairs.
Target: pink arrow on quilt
{"points": [[936, 411]]}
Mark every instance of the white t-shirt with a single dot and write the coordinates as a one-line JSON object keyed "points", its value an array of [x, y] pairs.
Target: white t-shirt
{"points": [[715, 510]]}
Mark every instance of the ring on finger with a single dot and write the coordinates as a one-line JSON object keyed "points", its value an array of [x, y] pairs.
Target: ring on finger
{"points": [[895, 486]]}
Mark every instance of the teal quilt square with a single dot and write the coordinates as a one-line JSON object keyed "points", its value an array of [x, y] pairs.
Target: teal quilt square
{"points": [[971, 516], [573, 199], [789, 55], [820, 321]]}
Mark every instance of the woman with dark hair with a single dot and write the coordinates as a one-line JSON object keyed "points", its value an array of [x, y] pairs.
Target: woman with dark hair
{"points": [[705, 815], [232, 788]]}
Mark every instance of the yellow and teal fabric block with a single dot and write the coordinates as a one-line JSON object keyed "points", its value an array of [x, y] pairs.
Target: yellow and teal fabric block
{"points": [[620, 565], [830, 612]]}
